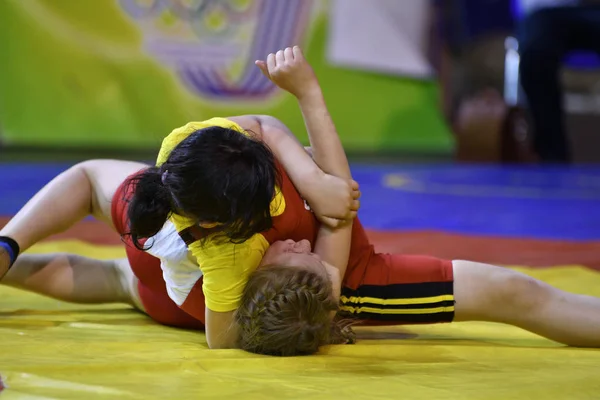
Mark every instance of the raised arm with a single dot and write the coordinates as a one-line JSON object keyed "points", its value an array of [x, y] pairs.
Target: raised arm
{"points": [[289, 70]]}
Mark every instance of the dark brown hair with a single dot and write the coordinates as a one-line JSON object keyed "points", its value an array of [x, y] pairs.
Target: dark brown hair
{"points": [[216, 175], [286, 311]]}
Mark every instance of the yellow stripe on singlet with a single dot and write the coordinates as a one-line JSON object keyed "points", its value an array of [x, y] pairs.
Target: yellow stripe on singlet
{"points": [[395, 302], [399, 311]]}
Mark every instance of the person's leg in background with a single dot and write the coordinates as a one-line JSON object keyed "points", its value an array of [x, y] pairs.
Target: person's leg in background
{"points": [[545, 38], [542, 45]]}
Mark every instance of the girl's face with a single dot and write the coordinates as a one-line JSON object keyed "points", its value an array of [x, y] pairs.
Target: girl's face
{"points": [[293, 254]]}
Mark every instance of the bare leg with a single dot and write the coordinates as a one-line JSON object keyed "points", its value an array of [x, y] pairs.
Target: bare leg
{"points": [[85, 189], [487, 293], [75, 279]]}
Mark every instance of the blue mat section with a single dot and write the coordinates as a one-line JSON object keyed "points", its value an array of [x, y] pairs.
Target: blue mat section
{"points": [[521, 201], [532, 202]]}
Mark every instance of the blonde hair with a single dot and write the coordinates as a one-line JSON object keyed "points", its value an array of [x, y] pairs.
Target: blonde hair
{"points": [[286, 311]]}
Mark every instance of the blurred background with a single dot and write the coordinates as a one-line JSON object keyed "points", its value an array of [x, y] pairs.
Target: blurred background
{"points": [[404, 79]]}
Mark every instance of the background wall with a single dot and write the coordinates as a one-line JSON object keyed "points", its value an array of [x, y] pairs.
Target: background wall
{"points": [[123, 73]]}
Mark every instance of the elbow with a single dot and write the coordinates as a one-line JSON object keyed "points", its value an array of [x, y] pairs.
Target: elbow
{"points": [[271, 129], [268, 120]]}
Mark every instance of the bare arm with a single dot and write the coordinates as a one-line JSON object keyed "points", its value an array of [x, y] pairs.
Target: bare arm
{"points": [[290, 71], [333, 245], [326, 146], [221, 332]]}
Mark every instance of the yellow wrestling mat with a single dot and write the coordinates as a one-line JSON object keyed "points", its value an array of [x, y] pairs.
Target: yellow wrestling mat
{"points": [[54, 350]]}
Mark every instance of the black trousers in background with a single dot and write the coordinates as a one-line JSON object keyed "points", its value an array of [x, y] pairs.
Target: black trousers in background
{"points": [[545, 38]]}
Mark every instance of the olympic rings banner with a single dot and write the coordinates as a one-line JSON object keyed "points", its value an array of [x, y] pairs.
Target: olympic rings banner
{"points": [[123, 73]]}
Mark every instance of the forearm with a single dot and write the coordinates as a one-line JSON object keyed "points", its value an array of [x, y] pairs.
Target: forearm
{"points": [[221, 332], [327, 148], [333, 245]]}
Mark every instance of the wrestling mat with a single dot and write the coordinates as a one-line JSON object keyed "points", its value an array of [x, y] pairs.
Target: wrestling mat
{"points": [[544, 220]]}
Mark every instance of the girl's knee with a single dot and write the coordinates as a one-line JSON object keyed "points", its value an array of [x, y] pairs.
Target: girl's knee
{"points": [[490, 293], [520, 292]]}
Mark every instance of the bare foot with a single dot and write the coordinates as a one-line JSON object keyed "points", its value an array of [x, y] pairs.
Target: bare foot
{"points": [[4, 262]]}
